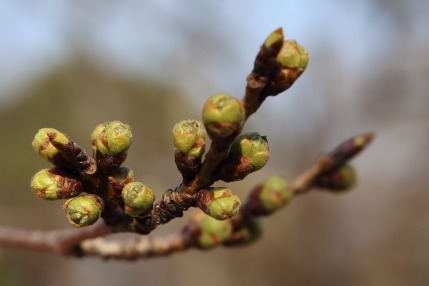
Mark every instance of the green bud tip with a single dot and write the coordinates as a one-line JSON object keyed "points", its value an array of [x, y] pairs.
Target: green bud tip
{"points": [[254, 146], [214, 232], [361, 141], [223, 114], [189, 137], [274, 38], [43, 146], [137, 198], [293, 56], [97, 131], [275, 193], [114, 139], [219, 203], [49, 184], [83, 210], [44, 185]]}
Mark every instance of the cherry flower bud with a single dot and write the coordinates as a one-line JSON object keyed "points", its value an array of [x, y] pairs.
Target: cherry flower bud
{"points": [[189, 138], [137, 198], [53, 184], [339, 180], [189, 145], [114, 139], [249, 153], [223, 115], [83, 210], [272, 195], [219, 203], [293, 60], [43, 146]]}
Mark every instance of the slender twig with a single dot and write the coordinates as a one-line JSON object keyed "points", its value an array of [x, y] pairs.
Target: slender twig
{"points": [[142, 247], [55, 241]]}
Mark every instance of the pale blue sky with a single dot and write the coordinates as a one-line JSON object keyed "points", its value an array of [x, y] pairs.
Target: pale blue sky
{"points": [[37, 35]]}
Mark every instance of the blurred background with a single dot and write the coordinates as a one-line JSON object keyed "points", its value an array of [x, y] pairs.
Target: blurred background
{"points": [[73, 64]]}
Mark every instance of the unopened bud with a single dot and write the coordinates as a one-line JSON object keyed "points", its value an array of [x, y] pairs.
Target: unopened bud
{"points": [[137, 198], [53, 184], [114, 139], [249, 153], [293, 60], [83, 210], [43, 146], [223, 115], [219, 203], [189, 138], [339, 180], [272, 195], [350, 148]]}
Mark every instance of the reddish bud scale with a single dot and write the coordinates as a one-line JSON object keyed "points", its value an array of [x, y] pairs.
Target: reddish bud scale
{"points": [[254, 203], [115, 190], [71, 152], [235, 168], [109, 163], [187, 166]]}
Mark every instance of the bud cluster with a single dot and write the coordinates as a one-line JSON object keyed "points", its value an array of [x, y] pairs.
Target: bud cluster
{"points": [[89, 183], [99, 186]]}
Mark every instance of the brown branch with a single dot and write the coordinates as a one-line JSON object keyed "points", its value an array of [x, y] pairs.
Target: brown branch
{"points": [[143, 247], [57, 241]]}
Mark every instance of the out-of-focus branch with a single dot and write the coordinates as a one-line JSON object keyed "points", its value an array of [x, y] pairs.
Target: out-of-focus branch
{"points": [[57, 241]]}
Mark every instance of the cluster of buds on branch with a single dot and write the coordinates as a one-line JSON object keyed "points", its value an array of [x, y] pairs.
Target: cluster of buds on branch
{"points": [[99, 186]]}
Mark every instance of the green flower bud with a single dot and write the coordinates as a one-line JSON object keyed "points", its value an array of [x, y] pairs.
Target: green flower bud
{"points": [[339, 180], [83, 210], [137, 198], [114, 139], [189, 138], [254, 146], [223, 115], [219, 203], [293, 60], [272, 195], [43, 146], [53, 184], [293, 56], [214, 232], [249, 153]]}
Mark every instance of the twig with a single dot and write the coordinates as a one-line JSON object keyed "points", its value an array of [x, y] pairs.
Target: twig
{"points": [[57, 241]]}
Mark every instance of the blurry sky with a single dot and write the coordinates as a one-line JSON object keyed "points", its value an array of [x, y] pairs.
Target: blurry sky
{"points": [[155, 38]]}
